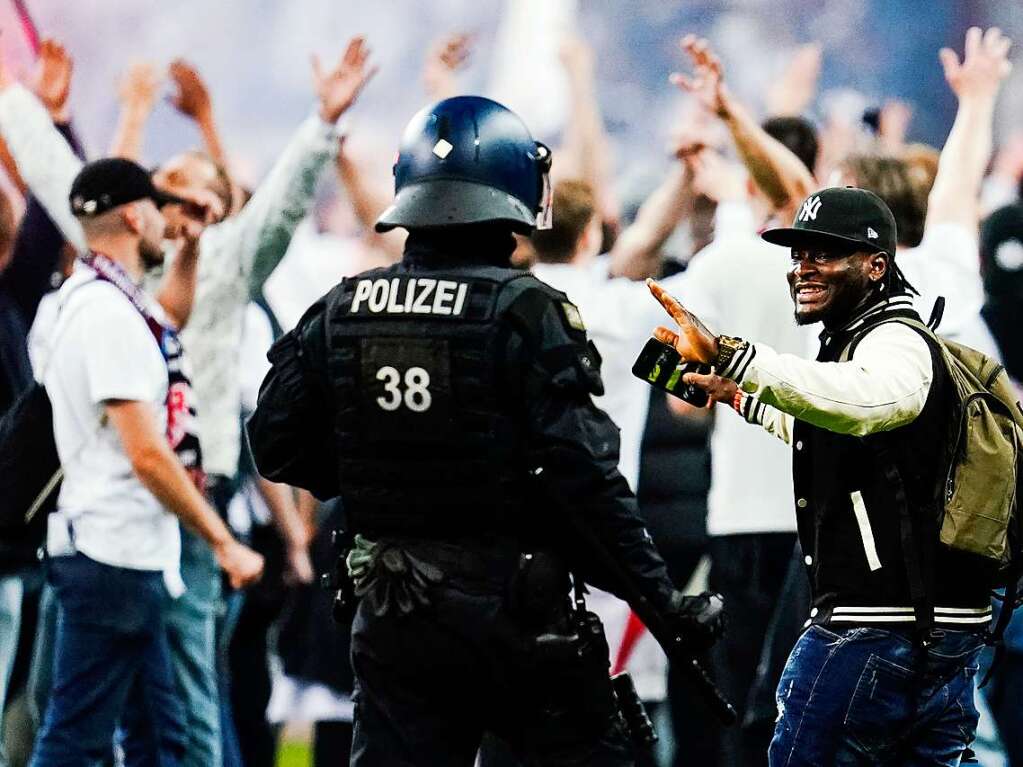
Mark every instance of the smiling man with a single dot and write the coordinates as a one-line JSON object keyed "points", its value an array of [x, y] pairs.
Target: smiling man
{"points": [[884, 672]]}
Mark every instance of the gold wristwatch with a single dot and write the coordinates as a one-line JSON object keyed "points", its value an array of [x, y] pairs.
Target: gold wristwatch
{"points": [[728, 347]]}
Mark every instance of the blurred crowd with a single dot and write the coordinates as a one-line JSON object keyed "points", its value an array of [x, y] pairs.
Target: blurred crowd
{"points": [[717, 497]]}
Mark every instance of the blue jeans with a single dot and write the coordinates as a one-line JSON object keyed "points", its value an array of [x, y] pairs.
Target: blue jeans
{"points": [[867, 696], [10, 626], [111, 644], [191, 631]]}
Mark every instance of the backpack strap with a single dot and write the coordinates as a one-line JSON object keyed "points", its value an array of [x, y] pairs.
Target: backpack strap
{"points": [[997, 636], [919, 594], [937, 312]]}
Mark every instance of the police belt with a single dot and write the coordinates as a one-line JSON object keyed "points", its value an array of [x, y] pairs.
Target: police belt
{"points": [[396, 574]]}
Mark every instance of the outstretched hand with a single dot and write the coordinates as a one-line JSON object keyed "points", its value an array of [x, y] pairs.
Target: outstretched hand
{"points": [[52, 84], [192, 97], [139, 86], [445, 58], [338, 88], [793, 92], [693, 340], [707, 84], [985, 63]]}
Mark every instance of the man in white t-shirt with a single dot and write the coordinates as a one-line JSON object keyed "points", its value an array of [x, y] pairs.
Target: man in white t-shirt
{"points": [[112, 367], [617, 315]]}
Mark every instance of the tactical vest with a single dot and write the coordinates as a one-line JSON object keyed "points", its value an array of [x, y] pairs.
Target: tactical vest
{"points": [[427, 444], [862, 503]]}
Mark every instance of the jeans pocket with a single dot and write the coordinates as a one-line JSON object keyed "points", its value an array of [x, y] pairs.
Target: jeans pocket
{"points": [[880, 706]]}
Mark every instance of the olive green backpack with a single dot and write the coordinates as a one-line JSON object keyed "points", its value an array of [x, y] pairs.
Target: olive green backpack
{"points": [[981, 480]]}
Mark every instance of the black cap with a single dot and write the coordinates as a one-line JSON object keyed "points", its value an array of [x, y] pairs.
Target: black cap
{"points": [[106, 184], [841, 217], [1001, 252]]}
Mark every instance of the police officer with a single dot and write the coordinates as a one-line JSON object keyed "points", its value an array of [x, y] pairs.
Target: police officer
{"points": [[447, 400]]}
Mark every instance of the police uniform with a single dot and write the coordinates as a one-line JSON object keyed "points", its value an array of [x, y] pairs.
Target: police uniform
{"points": [[428, 395]]}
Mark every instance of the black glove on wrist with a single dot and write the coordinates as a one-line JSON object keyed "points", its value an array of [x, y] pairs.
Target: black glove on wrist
{"points": [[700, 619]]}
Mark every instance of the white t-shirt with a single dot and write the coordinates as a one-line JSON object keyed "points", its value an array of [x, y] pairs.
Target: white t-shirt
{"points": [[947, 263], [737, 286], [99, 348], [619, 315]]}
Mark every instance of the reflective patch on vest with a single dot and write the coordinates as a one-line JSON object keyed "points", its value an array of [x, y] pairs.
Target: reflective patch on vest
{"points": [[405, 390], [573, 315], [403, 296]]}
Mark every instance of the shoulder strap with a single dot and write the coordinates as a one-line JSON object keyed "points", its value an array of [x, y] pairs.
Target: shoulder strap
{"points": [[920, 597]]}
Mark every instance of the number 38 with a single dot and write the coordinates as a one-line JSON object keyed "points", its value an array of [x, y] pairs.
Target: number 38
{"points": [[416, 396]]}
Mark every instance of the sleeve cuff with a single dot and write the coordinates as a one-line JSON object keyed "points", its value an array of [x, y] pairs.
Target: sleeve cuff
{"points": [[739, 363], [750, 408], [328, 130]]}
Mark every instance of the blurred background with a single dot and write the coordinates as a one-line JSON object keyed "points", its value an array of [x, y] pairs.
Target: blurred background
{"points": [[865, 72], [254, 54]]}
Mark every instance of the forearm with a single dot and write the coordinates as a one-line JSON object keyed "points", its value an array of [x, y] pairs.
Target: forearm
{"points": [[587, 141], [637, 252], [160, 471], [45, 160], [955, 195], [211, 139], [11, 168], [280, 499], [367, 203], [177, 291], [776, 171], [263, 229], [130, 133]]}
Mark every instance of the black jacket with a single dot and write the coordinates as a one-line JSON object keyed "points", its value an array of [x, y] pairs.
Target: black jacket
{"points": [[543, 374]]}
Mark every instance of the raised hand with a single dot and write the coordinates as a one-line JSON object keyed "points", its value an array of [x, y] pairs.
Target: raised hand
{"points": [[52, 83], [192, 98], [893, 124], [792, 93], [338, 88], [443, 61], [985, 63], [715, 177], [707, 83], [139, 87], [693, 340]]}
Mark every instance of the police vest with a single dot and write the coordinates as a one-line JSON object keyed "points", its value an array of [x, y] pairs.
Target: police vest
{"points": [[426, 443], [851, 497]]}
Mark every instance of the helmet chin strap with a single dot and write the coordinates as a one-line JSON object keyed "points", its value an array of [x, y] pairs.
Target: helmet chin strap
{"points": [[545, 216]]}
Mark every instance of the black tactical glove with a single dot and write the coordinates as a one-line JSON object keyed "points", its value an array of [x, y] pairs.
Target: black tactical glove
{"points": [[700, 619]]}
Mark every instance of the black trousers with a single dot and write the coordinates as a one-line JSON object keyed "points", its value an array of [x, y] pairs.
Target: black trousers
{"points": [[749, 572], [429, 685]]}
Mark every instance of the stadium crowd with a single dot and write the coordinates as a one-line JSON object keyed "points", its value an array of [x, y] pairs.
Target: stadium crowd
{"points": [[235, 268]]}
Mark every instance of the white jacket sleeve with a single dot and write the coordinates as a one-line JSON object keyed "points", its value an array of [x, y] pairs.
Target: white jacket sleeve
{"points": [[773, 420], [258, 237], [883, 387], [43, 157]]}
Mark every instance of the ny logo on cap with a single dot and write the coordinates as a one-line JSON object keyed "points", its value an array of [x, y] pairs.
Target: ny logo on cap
{"points": [[810, 209]]}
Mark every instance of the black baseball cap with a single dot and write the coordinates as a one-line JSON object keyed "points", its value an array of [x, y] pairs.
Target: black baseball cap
{"points": [[846, 218], [106, 184]]}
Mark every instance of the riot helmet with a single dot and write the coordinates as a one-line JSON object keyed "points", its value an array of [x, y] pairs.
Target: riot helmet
{"points": [[469, 160]]}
